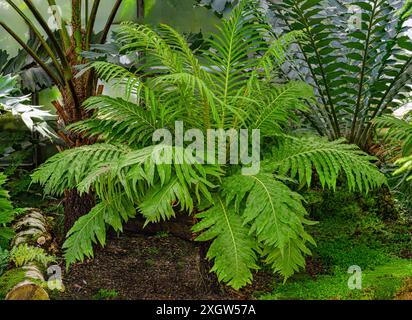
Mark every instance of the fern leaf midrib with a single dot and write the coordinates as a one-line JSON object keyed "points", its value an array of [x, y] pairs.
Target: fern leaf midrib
{"points": [[231, 234], [227, 73], [270, 201]]}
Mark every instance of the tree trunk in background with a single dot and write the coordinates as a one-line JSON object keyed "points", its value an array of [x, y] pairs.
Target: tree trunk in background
{"points": [[140, 10]]}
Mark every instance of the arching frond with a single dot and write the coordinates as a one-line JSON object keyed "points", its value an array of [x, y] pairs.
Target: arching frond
{"points": [[275, 215], [91, 229], [233, 249], [118, 76], [240, 37], [399, 131], [117, 120], [298, 157], [272, 106], [67, 169]]}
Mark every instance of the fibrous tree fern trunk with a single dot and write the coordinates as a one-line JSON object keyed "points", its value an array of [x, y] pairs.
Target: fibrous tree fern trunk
{"points": [[75, 206]]}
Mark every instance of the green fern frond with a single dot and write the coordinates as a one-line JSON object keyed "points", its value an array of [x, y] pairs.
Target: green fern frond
{"points": [[274, 214], [24, 254], [233, 249], [91, 228], [117, 120], [159, 202], [405, 167], [289, 260], [117, 76], [399, 131], [67, 169], [272, 106], [142, 38], [176, 41], [239, 37], [298, 157]]}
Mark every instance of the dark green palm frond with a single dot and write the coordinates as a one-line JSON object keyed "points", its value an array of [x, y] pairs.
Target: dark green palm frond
{"points": [[359, 71]]}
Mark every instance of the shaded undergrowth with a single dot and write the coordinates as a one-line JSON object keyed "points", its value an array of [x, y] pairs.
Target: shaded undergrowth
{"points": [[354, 230]]}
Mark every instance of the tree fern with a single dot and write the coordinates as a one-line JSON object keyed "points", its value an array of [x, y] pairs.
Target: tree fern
{"points": [[231, 86]]}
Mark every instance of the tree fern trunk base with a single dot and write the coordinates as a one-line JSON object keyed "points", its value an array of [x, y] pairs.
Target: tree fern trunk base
{"points": [[210, 283], [76, 206]]}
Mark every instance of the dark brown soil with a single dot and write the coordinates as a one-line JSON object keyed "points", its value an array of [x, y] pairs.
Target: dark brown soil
{"points": [[140, 267]]}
